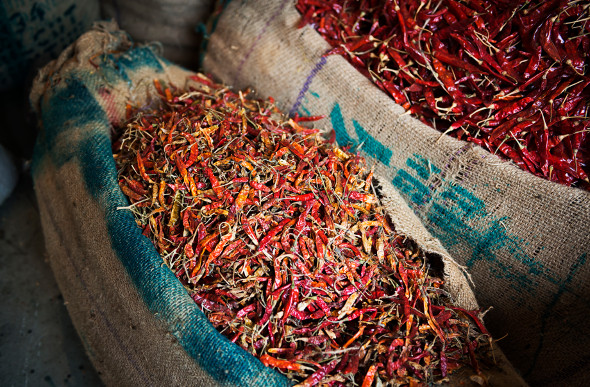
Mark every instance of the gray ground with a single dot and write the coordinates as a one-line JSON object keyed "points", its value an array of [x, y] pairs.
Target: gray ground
{"points": [[38, 343]]}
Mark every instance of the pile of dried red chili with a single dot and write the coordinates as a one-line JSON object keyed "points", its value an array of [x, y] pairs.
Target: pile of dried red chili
{"points": [[281, 239], [507, 75]]}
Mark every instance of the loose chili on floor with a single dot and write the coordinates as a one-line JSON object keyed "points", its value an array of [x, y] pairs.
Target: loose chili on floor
{"points": [[510, 76], [280, 238]]}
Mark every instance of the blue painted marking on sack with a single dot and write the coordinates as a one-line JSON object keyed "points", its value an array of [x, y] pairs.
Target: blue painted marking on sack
{"points": [[72, 98], [463, 203], [137, 58], [423, 167], [342, 137], [412, 187], [304, 111], [451, 214], [451, 225], [369, 144], [75, 97], [114, 68]]}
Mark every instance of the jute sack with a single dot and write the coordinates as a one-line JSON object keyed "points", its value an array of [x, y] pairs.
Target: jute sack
{"points": [[35, 31], [524, 240], [136, 320], [169, 22]]}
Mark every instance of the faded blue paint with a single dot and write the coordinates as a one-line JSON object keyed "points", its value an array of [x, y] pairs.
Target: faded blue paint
{"points": [[371, 146], [115, 68], [342, 137], [62, 122], [138, 58], [368, 144], [450, 210], [304, 111], [407, 184], [422, 166]]}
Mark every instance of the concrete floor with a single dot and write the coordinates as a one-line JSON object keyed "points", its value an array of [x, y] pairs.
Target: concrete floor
{"points": [[38, 343]]}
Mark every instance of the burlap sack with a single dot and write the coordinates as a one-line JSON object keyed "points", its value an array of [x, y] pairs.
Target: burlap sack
{"points": [[35, 31], [172, 23], [137, 322], [524, 240]]}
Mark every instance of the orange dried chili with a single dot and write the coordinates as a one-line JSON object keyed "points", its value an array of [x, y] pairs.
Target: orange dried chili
{"points": [[286, 248]]}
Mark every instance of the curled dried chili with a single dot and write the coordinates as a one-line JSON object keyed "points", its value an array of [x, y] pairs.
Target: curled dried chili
{"points": [[510, 76], [280, 238]]}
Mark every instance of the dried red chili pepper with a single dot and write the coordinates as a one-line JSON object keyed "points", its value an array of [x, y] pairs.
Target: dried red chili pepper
{"points": [[458, 57], [282, 243]]}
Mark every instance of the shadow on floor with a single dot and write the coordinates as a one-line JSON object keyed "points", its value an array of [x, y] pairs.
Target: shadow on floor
{"points": [[38, 343]]}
